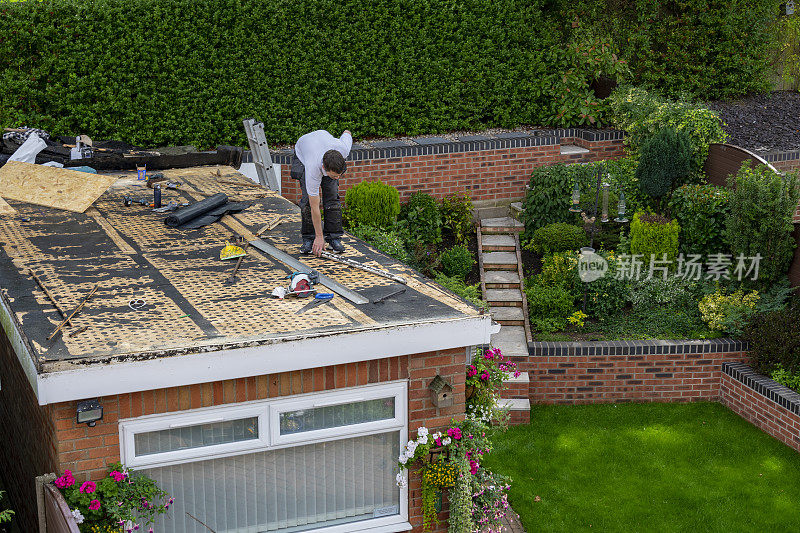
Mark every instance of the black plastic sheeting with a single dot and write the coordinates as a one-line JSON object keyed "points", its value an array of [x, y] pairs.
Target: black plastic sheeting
{"points": [[204, 212]]}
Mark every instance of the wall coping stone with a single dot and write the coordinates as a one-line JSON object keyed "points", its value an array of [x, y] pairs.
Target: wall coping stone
{"points": [[467, 143], [635, 347], [775, 157], [783, 396]]}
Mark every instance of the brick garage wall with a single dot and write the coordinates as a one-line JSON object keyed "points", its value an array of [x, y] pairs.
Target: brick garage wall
{"points": [[486, 170], [628, 371], [27, 438], [767, 405], [86, 451], [784, 161]]}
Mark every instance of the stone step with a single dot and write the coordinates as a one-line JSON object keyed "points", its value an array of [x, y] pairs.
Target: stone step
{"points": [[508, 316], [501, 225], [504, 297], [516, 209], [571, 149], [501, 279], [500, 261], [480, 213], [512, 341], [522, 378], [498, 243]]}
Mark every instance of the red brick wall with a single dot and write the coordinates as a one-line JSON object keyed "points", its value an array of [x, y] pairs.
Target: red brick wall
{"points": [[86, 451], [484, 175], [27, 438], [577, 379], [786, 166], [761, 411]]}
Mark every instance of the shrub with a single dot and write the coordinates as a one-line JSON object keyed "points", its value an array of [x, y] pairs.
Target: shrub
{"points": [[760, 221], [653, 236], [774, 339], [421, 213], [701, 212], [558, 237], [664, 162], [372, 203], [456, 211], [607, 295], [559, 269], [642, 115], [672, 291], [457, 261], [728, 312], [786, 378], [471, 293], [548, 307], [389, 242]]}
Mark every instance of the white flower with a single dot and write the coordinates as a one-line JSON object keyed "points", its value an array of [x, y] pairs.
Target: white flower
{"points": [[403, 459], [445, 441], [423, 439], [76, 513], [437, 435], [401, 481], [411, 447], [422, 431]]}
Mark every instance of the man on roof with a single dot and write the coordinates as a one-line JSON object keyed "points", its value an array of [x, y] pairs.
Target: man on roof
{"points": [[318, 164]]}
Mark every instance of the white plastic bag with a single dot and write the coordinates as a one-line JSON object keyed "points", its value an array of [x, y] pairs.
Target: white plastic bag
{"points": [[29, 150], [55, 164]]}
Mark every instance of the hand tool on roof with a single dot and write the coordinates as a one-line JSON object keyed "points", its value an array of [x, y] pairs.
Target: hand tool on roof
{"points": [[319, 298], [362, 266], [287, 259], [128, 201], [50, 297], [243, 184], [390, 295], [77, 309]]}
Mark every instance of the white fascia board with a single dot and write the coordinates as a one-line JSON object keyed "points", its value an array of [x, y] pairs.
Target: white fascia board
{"points": [[11, 327], [282, 355]]}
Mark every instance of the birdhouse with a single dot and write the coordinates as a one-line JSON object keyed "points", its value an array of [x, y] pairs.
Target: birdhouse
{"points": [[441, 392]]}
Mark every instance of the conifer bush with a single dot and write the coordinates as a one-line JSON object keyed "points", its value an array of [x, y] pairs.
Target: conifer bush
{"points": [[665, 162], [372, 203]]}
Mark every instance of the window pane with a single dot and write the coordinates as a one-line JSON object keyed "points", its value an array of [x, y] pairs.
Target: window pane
{"points": [[183, 438], [336, 415], [287, 490]]}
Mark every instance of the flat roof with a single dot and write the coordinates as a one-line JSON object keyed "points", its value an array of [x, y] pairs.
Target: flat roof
{"points": [[132, 255]]}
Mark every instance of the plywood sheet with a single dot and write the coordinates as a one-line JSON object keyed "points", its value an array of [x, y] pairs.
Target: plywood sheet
{"points": [[52, 187], [6, 209]]}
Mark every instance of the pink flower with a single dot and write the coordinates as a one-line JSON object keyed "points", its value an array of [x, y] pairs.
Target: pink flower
{"points": [[88, 487], [488, 355], [455, 433], [94, 505], [473, 467], [117, 476], [471, 371], [65, 481], [485, 376]]}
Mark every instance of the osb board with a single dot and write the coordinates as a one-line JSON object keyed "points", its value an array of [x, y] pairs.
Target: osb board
{"points": [[52, 187], [6, 209], [131, 254]]}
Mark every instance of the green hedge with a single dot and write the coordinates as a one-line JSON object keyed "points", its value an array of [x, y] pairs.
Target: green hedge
{"points": [[188, 71]]}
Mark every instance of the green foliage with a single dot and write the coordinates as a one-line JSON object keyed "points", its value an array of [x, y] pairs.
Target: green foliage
{"points": [[609, 294], [728, 313], [457, 261], [390, 242], [560, 269], [372, 203], [557, 237], [706, 49], [643, 114], [471, 293], [461, 499], [786, 378], [653, 236], [774, 339], [548, 306], [701, 212], [664, 162], [421, 214], [787, 42], [5, 514], [760, 222], [456, 212]]}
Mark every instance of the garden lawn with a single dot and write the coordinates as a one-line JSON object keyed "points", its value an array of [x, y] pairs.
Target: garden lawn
{"points": [[647, 467]]}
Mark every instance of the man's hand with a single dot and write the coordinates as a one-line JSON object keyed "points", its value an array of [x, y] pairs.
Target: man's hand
{"points": [[318, 246]]}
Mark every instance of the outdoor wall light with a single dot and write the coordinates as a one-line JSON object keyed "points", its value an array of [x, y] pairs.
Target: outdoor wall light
{"points": [[89, 412], [621, 209]]}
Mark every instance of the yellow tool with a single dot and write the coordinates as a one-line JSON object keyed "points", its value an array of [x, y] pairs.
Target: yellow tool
{"points": [[231, 251]]}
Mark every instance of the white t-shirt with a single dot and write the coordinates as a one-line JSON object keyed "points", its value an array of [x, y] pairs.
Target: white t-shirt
{"points": [[311, 147]]}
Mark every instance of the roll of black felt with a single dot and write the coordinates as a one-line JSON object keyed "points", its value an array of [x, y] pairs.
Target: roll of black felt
{"points": [[196, 210]]}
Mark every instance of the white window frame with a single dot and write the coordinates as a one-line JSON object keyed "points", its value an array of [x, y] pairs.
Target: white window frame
{"points": [[269, 438]]}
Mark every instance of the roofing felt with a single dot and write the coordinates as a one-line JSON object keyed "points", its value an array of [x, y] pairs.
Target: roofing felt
{"points": [[132, 255]]}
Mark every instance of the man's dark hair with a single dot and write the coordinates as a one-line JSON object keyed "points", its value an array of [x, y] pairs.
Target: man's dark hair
{"points": [[333, 161]]}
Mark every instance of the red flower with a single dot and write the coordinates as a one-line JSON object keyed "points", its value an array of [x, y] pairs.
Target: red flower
{"points": [[94, 505]]}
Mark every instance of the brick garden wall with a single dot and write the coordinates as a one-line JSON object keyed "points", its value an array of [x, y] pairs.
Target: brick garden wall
{"points": [[767, 405], [27, 438], [87, 450], [487, 169], [628, 371]]}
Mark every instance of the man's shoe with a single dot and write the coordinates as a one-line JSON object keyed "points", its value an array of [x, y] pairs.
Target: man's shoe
{"points": [[336, 245], [308, 244]]}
